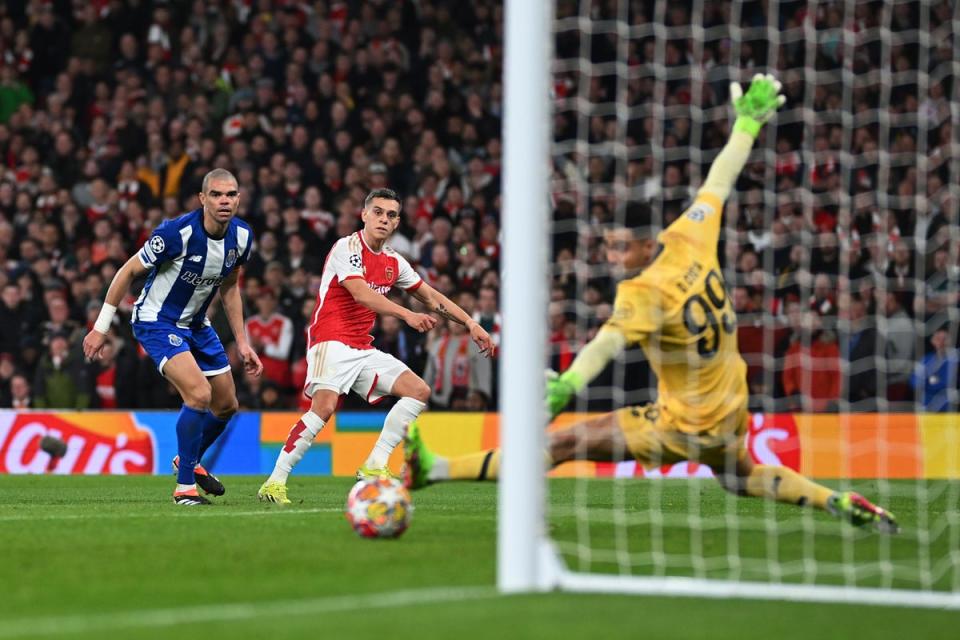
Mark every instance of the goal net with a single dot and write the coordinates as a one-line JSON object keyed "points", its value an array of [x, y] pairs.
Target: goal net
{"points": [[839, 254]]}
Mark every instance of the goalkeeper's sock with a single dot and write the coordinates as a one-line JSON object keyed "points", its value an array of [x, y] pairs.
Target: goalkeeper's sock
{"points": [[394, 426], [786, 485], [212, 428], [189, 435], [483, 465], [298, 441]]}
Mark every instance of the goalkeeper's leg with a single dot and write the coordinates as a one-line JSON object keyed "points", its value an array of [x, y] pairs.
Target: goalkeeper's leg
{"points": [[786, 485], [599, 439]]}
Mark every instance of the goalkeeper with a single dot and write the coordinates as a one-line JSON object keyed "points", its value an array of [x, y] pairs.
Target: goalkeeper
{"points": [[673, 303]]}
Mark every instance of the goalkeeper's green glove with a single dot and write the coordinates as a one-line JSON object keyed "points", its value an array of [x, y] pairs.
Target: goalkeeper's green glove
{"points": [[560, 390], [757, 105]]}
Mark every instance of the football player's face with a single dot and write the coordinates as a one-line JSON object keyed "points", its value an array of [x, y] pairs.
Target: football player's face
{"points": [[381, 218], [626, 253], [221, 199]]}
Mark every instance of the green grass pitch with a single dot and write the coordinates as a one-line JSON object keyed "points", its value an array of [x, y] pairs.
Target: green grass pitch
{"points": [[96, 557]]}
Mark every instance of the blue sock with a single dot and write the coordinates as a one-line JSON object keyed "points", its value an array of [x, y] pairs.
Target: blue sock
{"points": [[212, 428], [189, 434]]}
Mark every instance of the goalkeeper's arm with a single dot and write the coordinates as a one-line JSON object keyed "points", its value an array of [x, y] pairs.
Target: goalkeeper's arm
{"points": [[753, 110], [588, 364]]}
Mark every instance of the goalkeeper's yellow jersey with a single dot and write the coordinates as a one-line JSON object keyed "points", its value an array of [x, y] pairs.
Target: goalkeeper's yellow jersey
{"points": [[679, 312]]}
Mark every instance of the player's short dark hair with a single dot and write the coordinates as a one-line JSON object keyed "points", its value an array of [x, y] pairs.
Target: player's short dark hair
{"points": [[217, 174], [638, 218], [387, 194]]}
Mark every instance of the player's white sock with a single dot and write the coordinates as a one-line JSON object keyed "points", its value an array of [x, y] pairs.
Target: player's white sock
{"points": [[298, 441], [403, 413], [183, 488]]}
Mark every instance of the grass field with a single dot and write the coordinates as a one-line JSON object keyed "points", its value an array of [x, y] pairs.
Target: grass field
{"points": [[95, 557]]}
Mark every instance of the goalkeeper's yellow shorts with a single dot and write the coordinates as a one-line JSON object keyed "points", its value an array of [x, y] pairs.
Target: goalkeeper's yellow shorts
{"points": [[654, 437]]}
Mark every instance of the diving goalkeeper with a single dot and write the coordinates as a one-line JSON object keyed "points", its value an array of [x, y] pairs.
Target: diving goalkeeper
{"points": [[674, 304]]}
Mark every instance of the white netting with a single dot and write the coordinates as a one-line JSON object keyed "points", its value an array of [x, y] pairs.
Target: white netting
{"points": [[839, 251]]}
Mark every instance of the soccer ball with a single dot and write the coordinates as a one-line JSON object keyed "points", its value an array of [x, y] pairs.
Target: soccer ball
{"points": [[379, 508]]}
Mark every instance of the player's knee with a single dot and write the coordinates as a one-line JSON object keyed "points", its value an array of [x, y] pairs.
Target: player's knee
{"points": [[731, 481], [226, 408], [324, 407], [563, 444], [420, 391], [198, 396]]}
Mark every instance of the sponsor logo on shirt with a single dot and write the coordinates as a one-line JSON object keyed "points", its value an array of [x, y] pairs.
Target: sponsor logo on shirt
{"points": [[195, 259], [699, 212], [199, 281]]}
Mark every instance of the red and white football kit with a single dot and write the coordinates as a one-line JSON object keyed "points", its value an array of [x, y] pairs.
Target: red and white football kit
{"points": [[276, 335], [340, 354]]}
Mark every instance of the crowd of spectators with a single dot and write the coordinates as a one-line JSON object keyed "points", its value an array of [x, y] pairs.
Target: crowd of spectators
{"points": [[840, 252]]}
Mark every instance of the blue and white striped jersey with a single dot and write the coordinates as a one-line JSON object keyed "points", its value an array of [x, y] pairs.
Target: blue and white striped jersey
{"points": [[188, 267]]}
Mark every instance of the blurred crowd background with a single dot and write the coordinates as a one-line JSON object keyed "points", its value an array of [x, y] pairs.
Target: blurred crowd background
{"points": [[841, 251]]}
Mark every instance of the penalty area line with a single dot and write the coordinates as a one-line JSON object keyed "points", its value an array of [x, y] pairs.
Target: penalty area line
{"points": [[151, 618]]}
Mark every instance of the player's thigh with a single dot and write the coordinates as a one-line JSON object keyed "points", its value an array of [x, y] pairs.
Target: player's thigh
{"points": [[182, 370], [333, 366], [383, 375], [598, 439], [208, 351], [646, 434], [223, 394], [729, 458]]}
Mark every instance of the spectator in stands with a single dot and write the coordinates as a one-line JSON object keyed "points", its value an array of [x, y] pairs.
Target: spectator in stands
{"points": [[455, 365], [13, 319], [271, 336], [899, 338], [62, 380], [859, 348], [811, 372], [19, 393], [935, 378]]}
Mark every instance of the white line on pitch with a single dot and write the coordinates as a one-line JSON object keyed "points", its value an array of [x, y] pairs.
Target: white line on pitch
{"points": [[148, 618], [211, 513]]}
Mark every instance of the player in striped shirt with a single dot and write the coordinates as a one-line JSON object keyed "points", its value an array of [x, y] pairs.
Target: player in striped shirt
{"points": [[187, 260]]}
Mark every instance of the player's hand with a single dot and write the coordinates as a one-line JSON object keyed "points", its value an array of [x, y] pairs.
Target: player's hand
{"points": [[422, 322], [482, 339], [92, 344], [755, 107], [251, 361], [560, 390]]}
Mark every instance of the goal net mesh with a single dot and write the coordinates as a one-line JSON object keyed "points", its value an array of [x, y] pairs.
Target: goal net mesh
{"points": [[839, 251]]}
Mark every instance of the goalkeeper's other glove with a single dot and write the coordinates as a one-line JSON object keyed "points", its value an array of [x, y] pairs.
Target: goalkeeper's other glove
{"points": [[757, 105], [560, 390]]}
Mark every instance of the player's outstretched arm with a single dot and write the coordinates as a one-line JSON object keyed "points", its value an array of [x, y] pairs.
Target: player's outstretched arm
{"points": [[447, 308], [233, 308], [753, 108], [93, 341], [588, 364], [379, 303]]}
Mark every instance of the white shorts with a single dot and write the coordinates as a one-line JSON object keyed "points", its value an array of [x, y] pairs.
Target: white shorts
{"points": [[336, 367]]}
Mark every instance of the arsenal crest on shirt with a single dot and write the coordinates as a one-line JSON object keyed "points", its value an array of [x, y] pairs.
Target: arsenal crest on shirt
{"points": [[388, 272]]}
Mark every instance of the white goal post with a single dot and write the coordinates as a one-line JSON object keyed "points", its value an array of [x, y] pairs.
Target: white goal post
{"points": [[527, 559]]}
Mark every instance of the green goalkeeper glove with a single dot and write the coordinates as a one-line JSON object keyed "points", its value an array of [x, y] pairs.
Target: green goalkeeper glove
{"points": [[560, 390], [757, 105]]}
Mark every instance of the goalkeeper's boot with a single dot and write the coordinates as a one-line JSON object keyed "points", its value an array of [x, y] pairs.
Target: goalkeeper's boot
{"points": [[189, 498], [275, 492], [371, 473], [859, 511], [210, 484], [419, 459]]}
